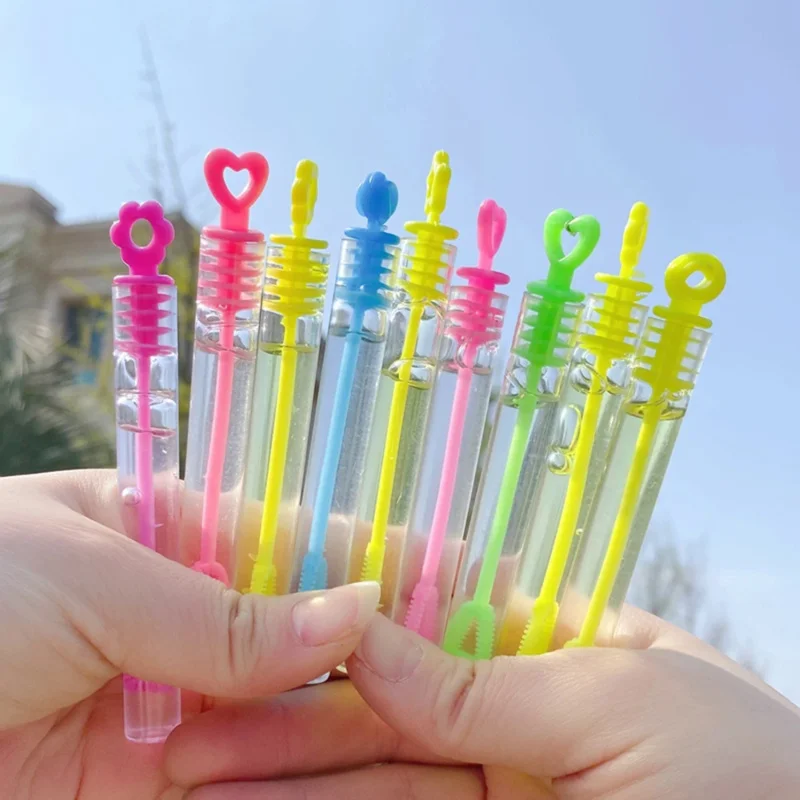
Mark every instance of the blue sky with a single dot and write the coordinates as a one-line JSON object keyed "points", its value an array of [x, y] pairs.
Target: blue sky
{"points": [[688, 106]]}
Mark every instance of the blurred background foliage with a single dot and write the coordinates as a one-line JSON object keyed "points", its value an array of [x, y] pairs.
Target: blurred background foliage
{"points": [[56, 392], [45, 424]]}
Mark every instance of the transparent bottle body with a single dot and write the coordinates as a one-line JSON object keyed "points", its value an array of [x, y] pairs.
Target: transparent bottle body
{"points": [[468, 368], [409, 451], [592, 397], [525, 424], [650, 423], [146, 406], [226, 337], [288, 358], [416, 327], [351, 369], [542, 430]]}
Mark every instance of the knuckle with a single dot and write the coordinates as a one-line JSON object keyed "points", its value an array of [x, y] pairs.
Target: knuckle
{"points": [[246, 641], [460, 702]]}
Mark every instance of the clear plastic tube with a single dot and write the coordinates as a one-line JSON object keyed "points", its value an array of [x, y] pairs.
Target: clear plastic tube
{"points": [[522, 434], [616, 522], [351, 368], [402, 409], [450, 461], [286, 372], [146, 399], [230, 275], [592, 399]]}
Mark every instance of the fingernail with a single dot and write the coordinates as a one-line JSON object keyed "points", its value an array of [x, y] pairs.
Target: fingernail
{"points": [[331, 616], [391, 652]]}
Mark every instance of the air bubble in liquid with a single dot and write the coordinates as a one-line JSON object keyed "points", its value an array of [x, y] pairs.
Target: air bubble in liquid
{"points": [[131, 496]]}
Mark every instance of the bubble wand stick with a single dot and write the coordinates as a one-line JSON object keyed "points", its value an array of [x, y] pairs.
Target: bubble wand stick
{"points": [[229, 280], [294, 288], [361, 285], [145, 334], [668, 360], [544, 321], [475, 319], [422, 280], [613, 335]]}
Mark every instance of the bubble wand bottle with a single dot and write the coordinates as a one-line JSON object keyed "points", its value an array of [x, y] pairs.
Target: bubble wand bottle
{"points": [[351, 370], [426, 264], [474, 322], [666, 367], [542, 347], [611, 327], [229, 280], [146, 395], [289, 343]]}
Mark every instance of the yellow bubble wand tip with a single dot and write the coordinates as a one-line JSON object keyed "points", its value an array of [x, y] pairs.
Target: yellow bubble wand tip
{"points": [[304, 197], [633, 239], [689, 299], [438, 185]]}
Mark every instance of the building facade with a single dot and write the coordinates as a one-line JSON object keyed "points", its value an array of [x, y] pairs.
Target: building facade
{"points": [[58, 276]]}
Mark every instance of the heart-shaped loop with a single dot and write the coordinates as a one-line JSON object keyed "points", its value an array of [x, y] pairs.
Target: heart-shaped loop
{"points": [[585, 228], [491, 228], [235, 208]]}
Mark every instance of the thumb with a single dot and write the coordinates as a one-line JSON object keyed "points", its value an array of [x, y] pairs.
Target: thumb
{"points": [[157, 620], [82, 603], [160, 621], [548, 716]]}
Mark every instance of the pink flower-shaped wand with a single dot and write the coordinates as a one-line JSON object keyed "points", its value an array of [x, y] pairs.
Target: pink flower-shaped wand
{"points": [[142, 261]]}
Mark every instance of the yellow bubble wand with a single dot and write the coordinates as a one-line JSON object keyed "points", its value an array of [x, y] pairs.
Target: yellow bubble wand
{"points": [[423, 281], [295, 286], [662, 364], [611, 336]]}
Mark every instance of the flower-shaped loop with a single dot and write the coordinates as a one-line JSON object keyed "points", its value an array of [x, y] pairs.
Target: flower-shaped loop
{"points": [[142, 261]]}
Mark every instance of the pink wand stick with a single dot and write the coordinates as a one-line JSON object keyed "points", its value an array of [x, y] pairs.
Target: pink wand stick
{"points": [[474, 319], [229, 282], [145, 333]]}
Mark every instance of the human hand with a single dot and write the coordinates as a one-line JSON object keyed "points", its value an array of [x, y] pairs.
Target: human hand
{"points": [[660, 715], [81, 603]]}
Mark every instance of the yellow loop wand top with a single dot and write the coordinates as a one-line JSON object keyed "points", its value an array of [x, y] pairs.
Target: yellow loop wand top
{"points": [[666, 367], [426, 265], [294, 290], [611, 328]]}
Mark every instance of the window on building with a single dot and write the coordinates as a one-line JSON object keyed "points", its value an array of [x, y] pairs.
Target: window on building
{"points": [[85, 330]]}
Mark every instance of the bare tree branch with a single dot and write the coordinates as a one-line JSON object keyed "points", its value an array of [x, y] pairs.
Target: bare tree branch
{"points": [[671, 582]]}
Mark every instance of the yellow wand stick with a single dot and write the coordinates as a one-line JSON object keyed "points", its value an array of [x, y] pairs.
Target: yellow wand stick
{"points": [[662, 364], [422, 281], [611, 336], [295, 287]]}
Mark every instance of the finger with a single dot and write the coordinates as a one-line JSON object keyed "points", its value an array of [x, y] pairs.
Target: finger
{"points": [[314, 729], [550, 716], [162, 622], [387, 781], [128, 609], [639, 630]]}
